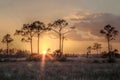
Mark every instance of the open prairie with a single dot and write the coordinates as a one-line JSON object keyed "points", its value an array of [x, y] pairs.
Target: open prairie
{"points": [[72, 69]]}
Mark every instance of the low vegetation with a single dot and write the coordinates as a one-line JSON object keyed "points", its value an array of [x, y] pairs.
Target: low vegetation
{"points": [[80, 69]]}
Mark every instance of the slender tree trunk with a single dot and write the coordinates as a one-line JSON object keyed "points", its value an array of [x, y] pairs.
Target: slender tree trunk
{"points": [[109, 49], [87, 54], [109, 45], [31, 45], [97, 51], [60, 40], [7, 49], [38, 42], [62, 44]]}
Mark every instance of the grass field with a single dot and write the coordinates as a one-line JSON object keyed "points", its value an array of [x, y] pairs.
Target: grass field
{"points": [[76, 69]]}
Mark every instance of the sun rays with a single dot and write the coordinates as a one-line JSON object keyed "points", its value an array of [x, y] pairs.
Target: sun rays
{"points": [[45, 55], [43, 60]]}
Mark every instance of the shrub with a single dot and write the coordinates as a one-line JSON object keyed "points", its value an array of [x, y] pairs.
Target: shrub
{"points": [[62, 58], [7, 60], [96, 61], [34, 57], [111, 60], [113, 53]]}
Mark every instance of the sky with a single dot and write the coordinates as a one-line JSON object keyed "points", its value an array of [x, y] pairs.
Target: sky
{"points": [[88, 16]]}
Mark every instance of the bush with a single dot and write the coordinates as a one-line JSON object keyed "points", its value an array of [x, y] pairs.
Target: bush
{"points": [[34, 57], [96, 61], [104, 61], [7, 60], [1, 60], [111, 60], [113, 53], [62, 58]]}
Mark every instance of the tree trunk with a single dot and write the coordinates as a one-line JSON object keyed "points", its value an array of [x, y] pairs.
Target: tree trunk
{"points": [[62, 44], [109, 49], [109, 46], [31, 46], [7, 49], [60, 41], [97, 51], [87, 54], [38, 42]]}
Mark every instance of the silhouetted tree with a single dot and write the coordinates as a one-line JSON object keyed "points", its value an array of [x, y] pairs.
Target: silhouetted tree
{"points": [[12, 51], [97, 47], [110, 34], [7, 39], [89, 50], [20, 54], [62, 43], [115, 53], [0, 51], [60, 27], [28, 32], [39, 28], [57, 53]]}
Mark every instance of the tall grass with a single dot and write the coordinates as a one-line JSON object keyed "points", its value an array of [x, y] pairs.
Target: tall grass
{"points": [[71, 70]]}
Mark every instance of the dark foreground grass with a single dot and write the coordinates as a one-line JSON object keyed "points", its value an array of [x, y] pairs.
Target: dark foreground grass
{"points": [[71, 70]]}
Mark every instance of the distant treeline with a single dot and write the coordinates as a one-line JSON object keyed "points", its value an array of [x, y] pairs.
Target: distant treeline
{"points": [[13, 53]]}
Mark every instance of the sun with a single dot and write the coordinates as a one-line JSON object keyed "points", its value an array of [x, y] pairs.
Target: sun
{"points": [[44, 52]]}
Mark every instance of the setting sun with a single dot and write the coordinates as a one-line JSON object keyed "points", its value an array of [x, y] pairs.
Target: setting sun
{"points": [[44, 52]]}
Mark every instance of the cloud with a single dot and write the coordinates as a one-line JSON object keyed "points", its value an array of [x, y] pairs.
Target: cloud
{"points": [[89, 24]]}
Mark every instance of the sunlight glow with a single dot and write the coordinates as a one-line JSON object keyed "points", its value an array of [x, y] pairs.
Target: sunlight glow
{"points": [[43, 64], [44, 52]]}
